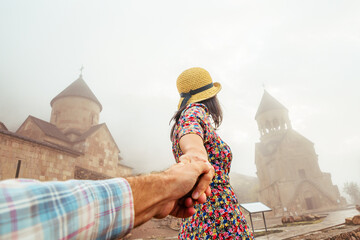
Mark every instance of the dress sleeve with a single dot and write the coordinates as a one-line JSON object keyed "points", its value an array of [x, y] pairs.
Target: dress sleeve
{"points": [[192, 122], [75, 209]]}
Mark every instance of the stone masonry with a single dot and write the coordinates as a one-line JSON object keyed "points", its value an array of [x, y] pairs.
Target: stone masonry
{"points": [[290, 178], [72, 145]]}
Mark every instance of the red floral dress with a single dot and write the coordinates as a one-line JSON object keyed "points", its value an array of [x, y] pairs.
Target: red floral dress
{"points": [[220, 217]]}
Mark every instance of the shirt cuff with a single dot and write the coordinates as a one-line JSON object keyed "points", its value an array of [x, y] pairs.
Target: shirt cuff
{"points": [[127, 213]]}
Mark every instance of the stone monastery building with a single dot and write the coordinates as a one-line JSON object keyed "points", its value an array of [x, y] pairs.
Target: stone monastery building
{"points": [[72, 145], [287, 165]]}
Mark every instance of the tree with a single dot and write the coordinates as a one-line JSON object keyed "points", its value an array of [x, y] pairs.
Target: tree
{"points": [[352, 189]]}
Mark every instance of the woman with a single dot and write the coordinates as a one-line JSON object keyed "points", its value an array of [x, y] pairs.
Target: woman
{"points": [[194, 136]]}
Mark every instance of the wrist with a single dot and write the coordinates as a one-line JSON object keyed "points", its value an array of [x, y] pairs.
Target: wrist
{"points": [[170, 185], [150, 192]]}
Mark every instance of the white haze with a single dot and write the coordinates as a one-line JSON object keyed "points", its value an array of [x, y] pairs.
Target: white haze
{"points": [[305, 53]]}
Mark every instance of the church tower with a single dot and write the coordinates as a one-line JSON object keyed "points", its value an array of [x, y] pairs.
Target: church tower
{"points": [[287, 165], [272, 118], [75, 109], [73, 145]]}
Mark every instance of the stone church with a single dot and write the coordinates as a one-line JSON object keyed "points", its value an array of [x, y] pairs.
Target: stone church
{"points": [[72, 145], [290, 178]]}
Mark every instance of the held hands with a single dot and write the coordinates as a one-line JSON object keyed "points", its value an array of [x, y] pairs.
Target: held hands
{"points": [[191, 176], [202, 185]]}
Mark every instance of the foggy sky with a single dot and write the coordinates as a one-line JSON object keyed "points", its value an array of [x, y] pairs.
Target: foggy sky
{"points": [[305, 53]]}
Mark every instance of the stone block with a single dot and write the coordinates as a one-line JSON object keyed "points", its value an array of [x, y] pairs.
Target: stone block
{"points": [[284, 219], [309, 217], [348, 221], [356, 220]]}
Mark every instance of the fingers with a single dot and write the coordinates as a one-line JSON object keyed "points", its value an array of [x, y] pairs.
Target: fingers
{"points": [[184, 208], [202, 188], [202, 198], [208, 191], [204, 173], [183, 212], [189, 202]]}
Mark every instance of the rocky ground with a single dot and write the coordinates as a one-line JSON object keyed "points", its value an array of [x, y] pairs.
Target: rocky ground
{"points": [[343, 232], [331, 228], [167, 228]]}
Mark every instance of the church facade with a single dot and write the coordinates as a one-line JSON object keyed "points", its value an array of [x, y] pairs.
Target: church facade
{"points": [[72, 145], [290, 178]]}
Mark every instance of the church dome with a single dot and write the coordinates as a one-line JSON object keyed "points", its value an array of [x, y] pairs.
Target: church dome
{"points": [[268, 103], [272, 117], [77, 89], [75, 109]]}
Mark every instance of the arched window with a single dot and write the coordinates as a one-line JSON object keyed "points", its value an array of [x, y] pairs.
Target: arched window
{"points": [[56, 114], [276, 124], [268, 126]]}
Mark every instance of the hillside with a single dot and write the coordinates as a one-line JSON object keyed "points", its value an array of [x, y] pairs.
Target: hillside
{"points": [[245, 187]]}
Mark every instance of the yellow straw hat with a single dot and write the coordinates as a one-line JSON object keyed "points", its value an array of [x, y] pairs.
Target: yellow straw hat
{"points": [[195, 85]]}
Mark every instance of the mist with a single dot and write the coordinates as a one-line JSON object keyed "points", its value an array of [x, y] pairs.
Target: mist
{"points": [[304, 53]]}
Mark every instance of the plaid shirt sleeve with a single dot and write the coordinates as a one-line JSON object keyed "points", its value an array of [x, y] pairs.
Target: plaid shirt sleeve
{"points": [[75, 209]]}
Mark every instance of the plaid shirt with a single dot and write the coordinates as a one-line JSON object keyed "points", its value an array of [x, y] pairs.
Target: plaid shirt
{"points": [[73, 209]]}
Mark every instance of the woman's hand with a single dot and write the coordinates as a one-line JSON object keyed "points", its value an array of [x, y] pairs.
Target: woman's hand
{"points": [[193, 149]]}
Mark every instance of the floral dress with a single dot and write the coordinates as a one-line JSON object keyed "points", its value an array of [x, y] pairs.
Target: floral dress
{"points": [[220, 217]]}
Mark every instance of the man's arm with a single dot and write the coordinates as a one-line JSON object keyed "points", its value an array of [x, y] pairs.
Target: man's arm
{"points": [[65, 210], [96, 209]]}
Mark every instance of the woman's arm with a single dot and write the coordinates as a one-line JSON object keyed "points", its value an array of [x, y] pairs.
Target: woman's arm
{"points": [[193, 149], [193, 145]]}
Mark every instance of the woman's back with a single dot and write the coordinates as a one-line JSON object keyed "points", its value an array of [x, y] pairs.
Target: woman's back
{"points": [[220, 217]]}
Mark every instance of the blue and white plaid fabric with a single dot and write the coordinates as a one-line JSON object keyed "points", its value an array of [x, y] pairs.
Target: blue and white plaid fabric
{"points": [[73, 209]]}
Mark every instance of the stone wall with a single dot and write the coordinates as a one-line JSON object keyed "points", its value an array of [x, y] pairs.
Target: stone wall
{"points": [[31, 130], [290, 177], [82, 173], [74, 113], [101, 155], [38, 160], [43, 161]]}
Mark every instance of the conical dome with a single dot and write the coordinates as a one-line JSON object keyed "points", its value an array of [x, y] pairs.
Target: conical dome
{"points": [[78, 88], [75, 109], [272, 117], [268, 103]]}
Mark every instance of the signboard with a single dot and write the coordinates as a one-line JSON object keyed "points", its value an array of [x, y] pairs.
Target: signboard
{"points": [[256, 207]]}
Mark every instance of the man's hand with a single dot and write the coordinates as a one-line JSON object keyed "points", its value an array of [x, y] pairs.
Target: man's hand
{"points": [[192, 179], [204, 180], [194, 153], [171, 191]]}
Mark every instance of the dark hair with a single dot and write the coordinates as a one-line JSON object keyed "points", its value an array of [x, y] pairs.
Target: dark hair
{"points": [[214, 108]]}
